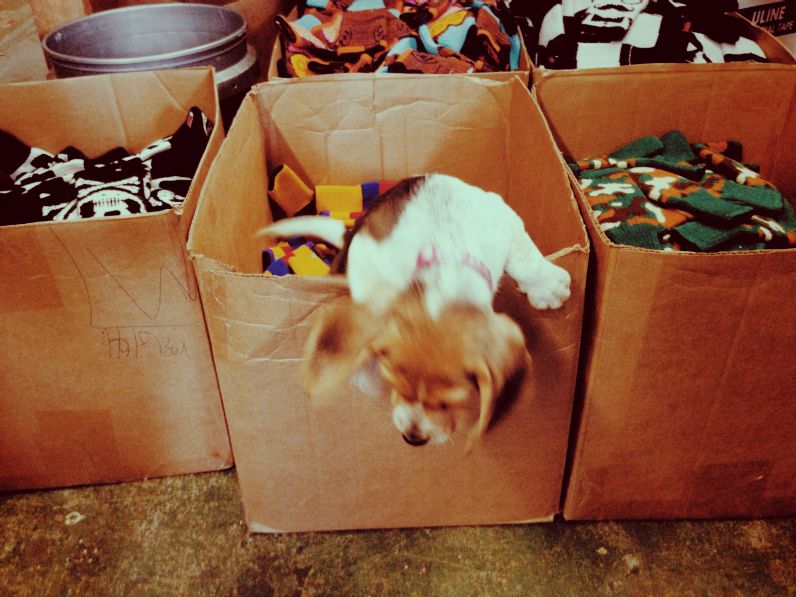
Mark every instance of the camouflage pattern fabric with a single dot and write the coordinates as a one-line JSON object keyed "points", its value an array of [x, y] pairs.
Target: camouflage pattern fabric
{"points": [[662, 193], [418, 36]]}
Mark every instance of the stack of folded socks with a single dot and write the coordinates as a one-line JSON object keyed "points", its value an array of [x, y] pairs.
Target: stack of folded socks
{"points": [[36, 185], [419, 36], [289, 196], [664, 193], [566, 34]]}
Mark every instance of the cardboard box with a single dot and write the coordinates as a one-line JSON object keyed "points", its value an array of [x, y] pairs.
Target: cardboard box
{"points": [[774, 50], [687, 407], [105, 365], [523, 72], [304, 466], [778, 18]]}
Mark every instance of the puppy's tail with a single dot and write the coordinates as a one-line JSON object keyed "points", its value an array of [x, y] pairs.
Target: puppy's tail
{"points": [[327, 229]]}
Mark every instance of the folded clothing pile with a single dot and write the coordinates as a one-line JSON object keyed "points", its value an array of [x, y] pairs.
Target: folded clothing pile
{"points": [[416, 36], [38, 186], [664, 193], [289, 195], [606, 33]]}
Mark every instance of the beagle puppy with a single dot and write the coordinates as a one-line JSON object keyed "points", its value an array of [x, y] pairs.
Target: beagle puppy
{"points": [[423, 267]]}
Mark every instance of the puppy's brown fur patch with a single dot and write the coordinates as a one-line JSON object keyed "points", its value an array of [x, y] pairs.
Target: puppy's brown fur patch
{"points": [[453, 367], [381, 218]]}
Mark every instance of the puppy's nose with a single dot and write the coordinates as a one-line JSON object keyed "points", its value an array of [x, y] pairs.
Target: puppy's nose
{"points": [[414, 440]]}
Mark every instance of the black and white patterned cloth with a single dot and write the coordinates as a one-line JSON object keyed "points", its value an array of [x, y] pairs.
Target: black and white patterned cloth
{"points": [[566, 34], [38, 186]]}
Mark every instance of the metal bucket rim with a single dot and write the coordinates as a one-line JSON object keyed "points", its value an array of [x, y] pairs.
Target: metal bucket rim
{"points": [[230, 39]]}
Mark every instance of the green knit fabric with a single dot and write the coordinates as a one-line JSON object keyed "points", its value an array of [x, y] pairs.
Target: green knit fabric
{"points": [[764, 199], [703, 237], [702, 203], [676, 147], [640, 235], [640, 148], [667, 194]]}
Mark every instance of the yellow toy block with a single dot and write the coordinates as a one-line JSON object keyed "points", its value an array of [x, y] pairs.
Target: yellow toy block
{"points": [[337, 198]]}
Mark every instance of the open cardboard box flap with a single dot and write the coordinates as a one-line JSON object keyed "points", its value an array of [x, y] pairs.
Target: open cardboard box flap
{"points": [[304, 466], [599, 110], [106, 366]]}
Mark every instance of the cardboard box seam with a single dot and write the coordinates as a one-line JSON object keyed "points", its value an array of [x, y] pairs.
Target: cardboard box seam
{"points": [[566, 173]]}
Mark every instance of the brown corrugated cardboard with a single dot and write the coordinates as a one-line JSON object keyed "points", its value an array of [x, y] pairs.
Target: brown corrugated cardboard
{"points": [[688, 406], [304, 466], [106, 371]]}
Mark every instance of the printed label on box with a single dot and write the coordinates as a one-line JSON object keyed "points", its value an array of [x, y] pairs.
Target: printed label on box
{"points": [[779, 18]]}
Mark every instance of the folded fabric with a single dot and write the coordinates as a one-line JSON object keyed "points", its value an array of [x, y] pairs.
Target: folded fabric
{"points": [[289, 195], [348, 202], [568, 34], [71, 186], [424, 36], [296, 256], [288, 192], [662, 193]]}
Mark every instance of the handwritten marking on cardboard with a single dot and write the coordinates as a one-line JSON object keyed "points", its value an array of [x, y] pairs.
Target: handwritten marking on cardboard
{"points": [[163, 292], [135, 342]]}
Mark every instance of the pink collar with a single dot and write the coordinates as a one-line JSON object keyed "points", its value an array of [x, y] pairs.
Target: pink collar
{"points": [[428, 257]]}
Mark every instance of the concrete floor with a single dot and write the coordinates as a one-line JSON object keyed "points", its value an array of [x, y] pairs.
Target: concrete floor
{"points": [[186, 535]]}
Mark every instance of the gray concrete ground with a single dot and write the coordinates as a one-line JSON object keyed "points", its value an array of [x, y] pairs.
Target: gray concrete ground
{"points": [[186, 535]]}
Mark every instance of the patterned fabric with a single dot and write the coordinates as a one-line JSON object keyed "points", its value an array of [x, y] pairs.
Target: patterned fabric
{"points": [[348, 202], [662, 193], [604, 33], [297, 256], [40, 186], [289, 195], [418, 36]]}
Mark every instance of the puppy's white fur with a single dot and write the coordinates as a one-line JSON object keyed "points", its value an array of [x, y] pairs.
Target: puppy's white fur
{"points": [[452, 242], [463, 229]]}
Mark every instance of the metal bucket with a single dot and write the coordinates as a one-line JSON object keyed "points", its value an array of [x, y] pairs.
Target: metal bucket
{"points": [[157, 36]]}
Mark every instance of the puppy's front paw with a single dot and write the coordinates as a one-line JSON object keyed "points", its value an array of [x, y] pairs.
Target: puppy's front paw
{"points": [[550, 289]]}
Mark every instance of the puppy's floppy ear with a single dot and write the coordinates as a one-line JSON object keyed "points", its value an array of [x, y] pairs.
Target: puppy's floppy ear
{"points": [[336, 347], [501, 355]]}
